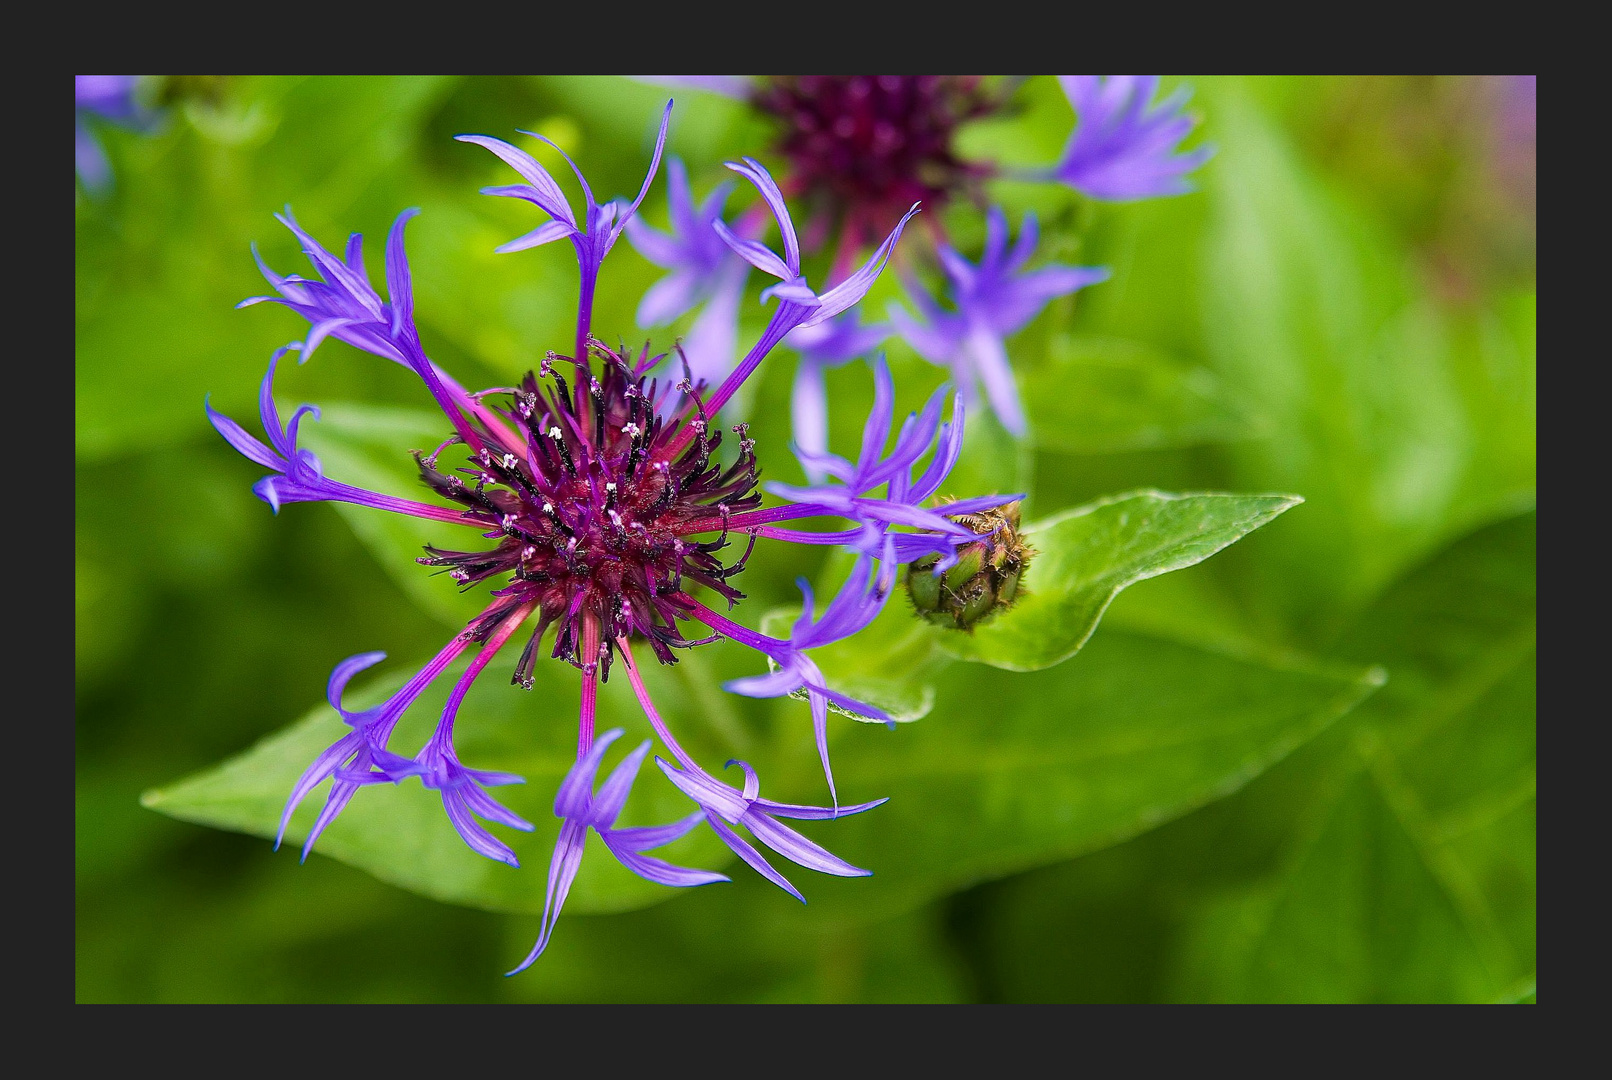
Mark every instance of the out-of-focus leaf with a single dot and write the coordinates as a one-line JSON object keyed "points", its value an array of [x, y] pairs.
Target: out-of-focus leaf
{"points": [[744, 942], [1301, 886], [1495, 356], [1102, 395], [1409, 871], [1085, 556]]}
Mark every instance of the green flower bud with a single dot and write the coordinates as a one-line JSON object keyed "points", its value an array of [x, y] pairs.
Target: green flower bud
{"points": [[987, 577]]}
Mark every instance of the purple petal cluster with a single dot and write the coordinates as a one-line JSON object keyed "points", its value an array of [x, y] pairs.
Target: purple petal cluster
{"points": [[360, 757], [341, 302], [703, 271], [992, 300], [463, 793], [581, 809], [1122, 146], [464, 799], [594, 236], [851, 495], [344, 305], [724, 807], [298, 476], [857, 604], [792, 286], [800, 305]]}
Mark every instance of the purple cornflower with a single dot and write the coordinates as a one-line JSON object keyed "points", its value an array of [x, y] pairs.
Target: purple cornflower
{"points": [[1121, 148], [606, 511], [722, 807], [993, 299], [862, 147], [98, 98]]}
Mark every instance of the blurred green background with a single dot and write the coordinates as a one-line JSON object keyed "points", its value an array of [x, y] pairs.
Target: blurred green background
{"points": [[1349, 302]]}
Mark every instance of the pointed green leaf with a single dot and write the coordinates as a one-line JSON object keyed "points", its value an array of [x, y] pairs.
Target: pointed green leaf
{"points": [[1085, 556]]}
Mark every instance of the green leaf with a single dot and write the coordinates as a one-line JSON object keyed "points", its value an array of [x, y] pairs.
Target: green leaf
{"points": [[1409, 871], [1014, 771], [1107, 395], [1085, 556]]}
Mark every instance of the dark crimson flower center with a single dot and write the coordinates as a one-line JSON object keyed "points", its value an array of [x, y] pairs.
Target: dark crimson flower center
{"points": [[872, 145], [593, 506]]}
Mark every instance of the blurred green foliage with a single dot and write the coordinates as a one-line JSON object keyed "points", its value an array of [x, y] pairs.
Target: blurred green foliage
{"points": [[1214, 800]]}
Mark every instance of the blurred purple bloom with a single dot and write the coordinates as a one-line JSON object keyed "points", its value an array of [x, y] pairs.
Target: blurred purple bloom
{"points": [[692, 251], [100, 97], [724, 807], [581, 809], [824, 345], [703, 271], [992, 300], [737, 87], [1122, 149]]}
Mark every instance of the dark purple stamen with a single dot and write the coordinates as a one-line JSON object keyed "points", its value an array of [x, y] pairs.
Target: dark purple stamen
{"points": [[592, 511]]}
